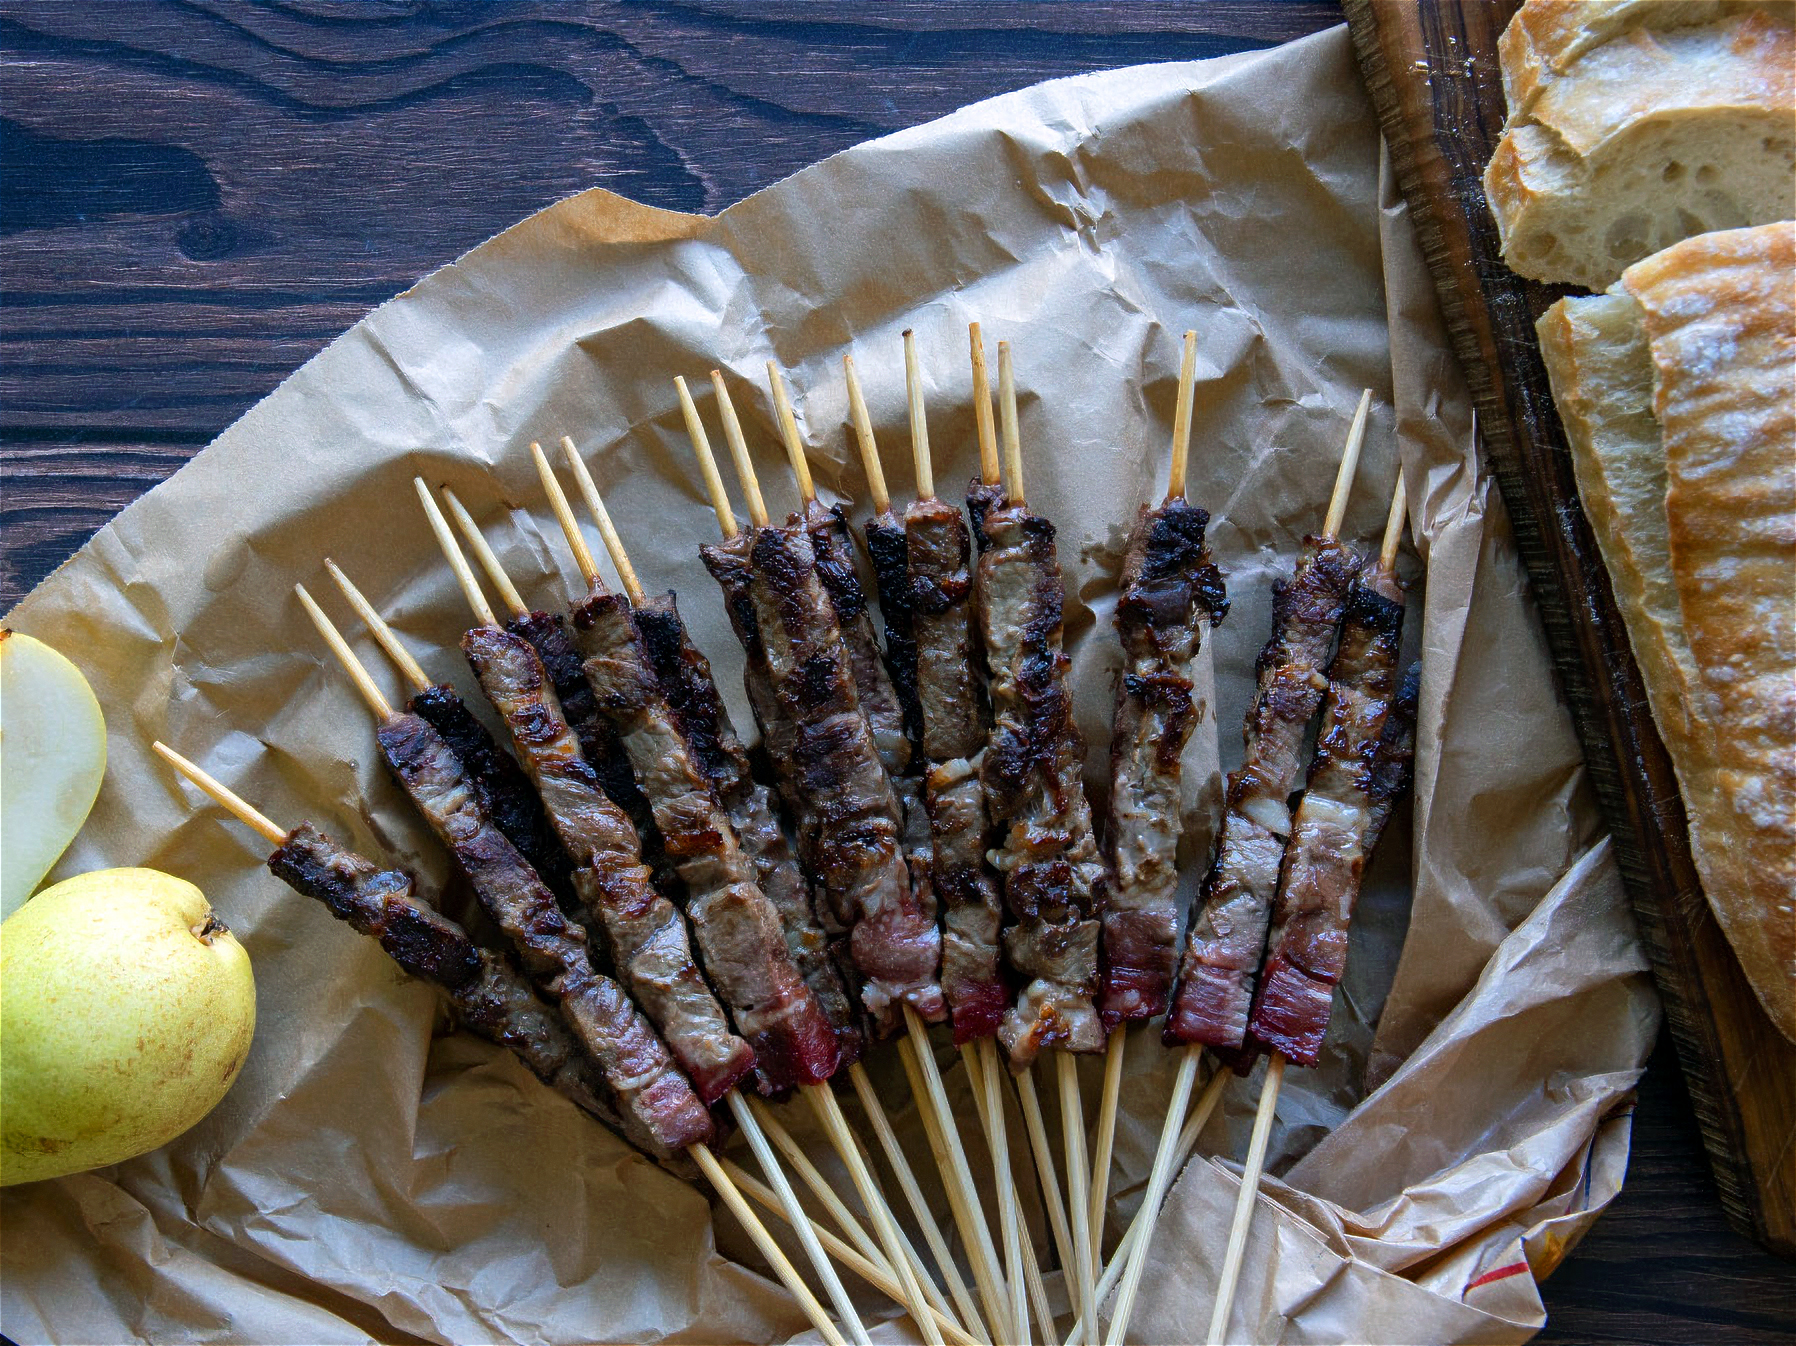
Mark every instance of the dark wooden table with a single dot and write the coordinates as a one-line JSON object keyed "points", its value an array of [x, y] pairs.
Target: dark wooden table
{"points": [[199, 194]]}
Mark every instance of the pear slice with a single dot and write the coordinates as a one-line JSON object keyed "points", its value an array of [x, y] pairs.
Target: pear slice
{"points": [[52, 756]]}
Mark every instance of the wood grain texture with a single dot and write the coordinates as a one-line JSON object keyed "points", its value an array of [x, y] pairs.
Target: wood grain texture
{"points": [[199, 195], [1434, 77]]}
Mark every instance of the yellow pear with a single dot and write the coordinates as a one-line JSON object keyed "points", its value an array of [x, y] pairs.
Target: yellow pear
{"points": [[52, 755], [126, 1010]]}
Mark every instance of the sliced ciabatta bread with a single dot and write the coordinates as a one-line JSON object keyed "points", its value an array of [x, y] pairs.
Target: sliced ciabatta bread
{"points": [[1602, 374], [1678, 395], [1545, 37], [1649, 138]]}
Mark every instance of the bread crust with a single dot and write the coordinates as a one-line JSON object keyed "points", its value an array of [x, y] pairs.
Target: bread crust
{"points": [[1546, 37], [1719, 313], [1595, 175]]}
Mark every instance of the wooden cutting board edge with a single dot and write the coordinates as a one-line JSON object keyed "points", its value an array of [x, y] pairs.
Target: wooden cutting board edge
{"points": [[1432, 74]]}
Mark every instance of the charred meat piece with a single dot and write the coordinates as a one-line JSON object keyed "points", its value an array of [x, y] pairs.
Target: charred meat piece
{"points": [[648, 936], [1046, 849], [1170, 590], [972, 981], [622, 1083], [854, 817], [1360, 764], [505, 791], [738, 930], [819, 946], [937, 557], [938, 598], [888, 549], [832, 549], [1228, 936], [548, 635]]}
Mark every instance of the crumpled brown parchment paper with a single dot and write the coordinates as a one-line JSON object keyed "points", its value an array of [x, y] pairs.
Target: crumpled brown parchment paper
{"points": [[368, 1178]]}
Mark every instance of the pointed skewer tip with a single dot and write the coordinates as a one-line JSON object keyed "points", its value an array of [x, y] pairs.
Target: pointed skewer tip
{"points": [[595, 506], [221, 794], [738, 445], [1013, 443], [377, 625], [570, 527], [982, 408], [863, 434], [1181, 419], [919, 422], [1356, 435]]}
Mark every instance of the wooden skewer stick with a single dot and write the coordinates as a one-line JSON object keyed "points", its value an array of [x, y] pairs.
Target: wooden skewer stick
{"points": [[982, 1073], [384, 635], [1356, 435], [1078, 1173], [1047, 1177], [720, 1180], [787, 1144], [1103, 1149], [738, 445], [782, 408], [801, 1224], [989, 1067], [1393, 525], [982, 409], [1245, 1199], [570, 526], [364, 683], [885, 1226], [1159, 1178], [1181, 420], [595, 506], [1013, 441], [795, 453], [913, 1197], [876, 1276], [221, 793], [919, 424], [707, 462], [489, 560], [950, 1158], [863, 434], [1143, 1222], [470, 587], [844, 1218], [1038, 1292], [776, 1258]]}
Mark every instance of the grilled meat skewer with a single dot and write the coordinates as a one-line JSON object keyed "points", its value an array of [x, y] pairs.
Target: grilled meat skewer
{"points": [[551, 948], [1222, 955], [1047, 851], [832, 550], [893, 937], [819, 942], [1360, 765], [659, 1114], [1170, 590], [738, 929], [630, 1085], [649, 941], [925, 597], [504, 790]]}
